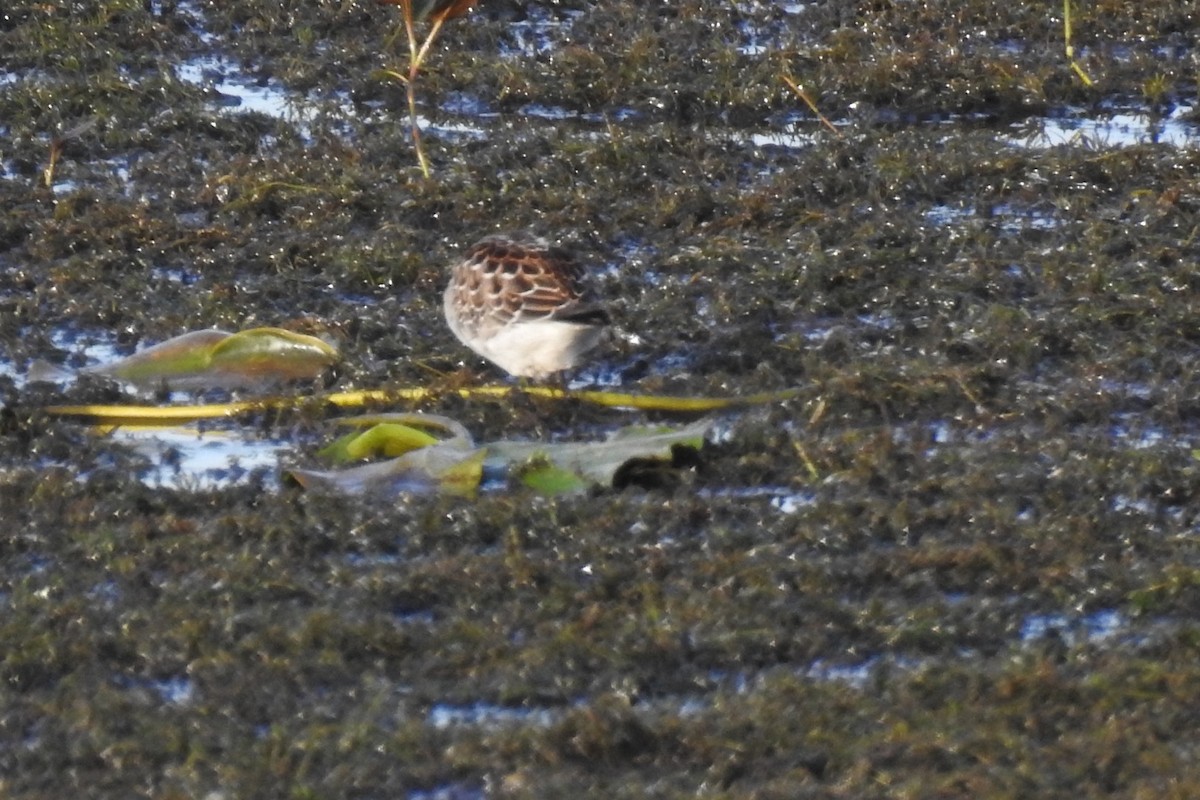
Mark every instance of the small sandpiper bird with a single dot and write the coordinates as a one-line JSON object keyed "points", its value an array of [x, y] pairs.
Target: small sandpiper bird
{"points": [[520, 303]]}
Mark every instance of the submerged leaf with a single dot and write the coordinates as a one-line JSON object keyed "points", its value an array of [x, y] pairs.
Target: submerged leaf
{"points": [[424, 464], [438, 467], [255, 359], [550, 467], [454, 466]]}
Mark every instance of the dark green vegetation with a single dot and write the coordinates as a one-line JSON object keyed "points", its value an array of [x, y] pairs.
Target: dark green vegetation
{"points": [[976, 573]]}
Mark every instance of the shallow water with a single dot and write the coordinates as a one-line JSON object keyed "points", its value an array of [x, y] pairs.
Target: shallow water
{"points": [[963, 556]]}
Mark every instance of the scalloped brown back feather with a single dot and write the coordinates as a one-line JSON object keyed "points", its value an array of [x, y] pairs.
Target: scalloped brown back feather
{"points": [[510, 280], [505, 282]]}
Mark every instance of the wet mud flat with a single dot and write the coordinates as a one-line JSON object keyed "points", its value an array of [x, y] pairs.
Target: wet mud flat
{"points": [[962, 562]]}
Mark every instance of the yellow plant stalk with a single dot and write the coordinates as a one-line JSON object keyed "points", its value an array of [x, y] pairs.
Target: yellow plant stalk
{"points": [[112, 415]]}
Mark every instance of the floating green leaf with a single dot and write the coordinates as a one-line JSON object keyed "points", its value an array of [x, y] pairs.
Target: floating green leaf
{"points": [[389, 439], [184, 355], [392, 435], [255, 359], [546, 477]]}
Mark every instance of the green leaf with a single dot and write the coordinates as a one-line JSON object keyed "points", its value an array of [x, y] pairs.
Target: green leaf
{"points": [[546, 477], [188, 354], [273, 354], [387, 439], [211, 359]]}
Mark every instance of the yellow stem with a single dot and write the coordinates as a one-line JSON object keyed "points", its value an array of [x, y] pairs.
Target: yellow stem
{"points": [[414, 65], [433, 32], [416, 128], [177, 415], [406, 8], [1070, 48], [803, 95]]}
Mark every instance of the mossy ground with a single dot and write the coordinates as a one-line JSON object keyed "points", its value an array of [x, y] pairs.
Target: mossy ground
{"points": [[976, 573]]}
